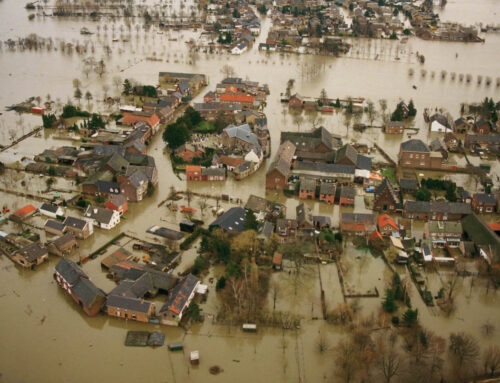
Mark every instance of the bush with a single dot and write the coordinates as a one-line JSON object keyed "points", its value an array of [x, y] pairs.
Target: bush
{"points": [[200, 264], [395, 320], [72, 111], [388, 303], [221, 283]]}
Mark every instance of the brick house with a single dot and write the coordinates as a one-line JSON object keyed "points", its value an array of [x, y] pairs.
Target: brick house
{"points": [[130, 308], [81, 229], [436, 211], [307, 188], [286, 227], [394, 127], [347, 195], [358, 224], [150, 118], [279, 170], [461, 126], [296, 102], [209, 97], [118, 203], [193, 173], [180, 297], [135, 186], [30, 255], [414, 154], [385, 198], [77, 284], [442, 233], [484, 203], [188, 152], [54, 227], [327, 192], [387, 225], [482, 127], [62, 246]]}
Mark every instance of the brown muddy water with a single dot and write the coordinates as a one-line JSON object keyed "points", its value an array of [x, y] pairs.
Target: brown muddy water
{"points": [[45, 338]]}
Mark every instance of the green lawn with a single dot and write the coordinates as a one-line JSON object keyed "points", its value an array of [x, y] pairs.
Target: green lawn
{"points": [[389, 173], [204, 127]]}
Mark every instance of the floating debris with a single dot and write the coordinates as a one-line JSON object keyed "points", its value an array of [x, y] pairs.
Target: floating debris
{"points": [[214, 370]]}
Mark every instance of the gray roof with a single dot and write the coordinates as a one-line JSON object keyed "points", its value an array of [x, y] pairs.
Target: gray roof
{"points": [[117, 163], [107, 187], [486, 199], [347, 151], [107, 150], [327, 188], [100, 214], [324, 168], [408, 183], [483, 138], [307, 184], [32, 252], [244, 133], [281, 165], [363, 162], [63, 240], [386, 184], [137, 178], [309, 140], [76, 223], [129, 303], [444, 227], [348, 192], [179, 295], [437, 207], [322, 220], [414, 145], [56, 225], [70, 271], [233, 220], [358, 218], [49, 207], [266, 229], [87, 292], [481, 234]]}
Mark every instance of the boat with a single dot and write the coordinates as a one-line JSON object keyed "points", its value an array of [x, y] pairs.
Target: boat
{"points": [[188, 209], [177, 346]]}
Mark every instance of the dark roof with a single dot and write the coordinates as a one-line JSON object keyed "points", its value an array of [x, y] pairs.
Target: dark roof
{"points": [[327, 188], [386, 185], [438, 207], [308, 184], [232, 220], [309, 140], [76, 223], [347, 151], [180, 294], [100, 214], [324, 168], [481, 234], [348, 192], [486, 199], [117, 163], [408, 183], [303, 214], [107, 150], [63, 240], [363, 162], [107, 187], [56, 225], [135, 289], [322, 220], [32, 252], [87, 292], [49, 207], [70, 271], [280, 165], [414, 145], [129, 303], [266, 229], [358, 218]]}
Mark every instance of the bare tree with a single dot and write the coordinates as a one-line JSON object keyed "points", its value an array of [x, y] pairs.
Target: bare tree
{"points": [[346, 361], [389, 361], [463, 348], [202, 204], [275, 289], [298, 120], [370, 110], [383, 107], [323, 344], [77, 83], [487, 328], [491, 358], [228, 71]]}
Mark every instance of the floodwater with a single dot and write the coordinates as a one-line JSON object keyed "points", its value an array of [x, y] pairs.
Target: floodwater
{"points": [[43, 325]]}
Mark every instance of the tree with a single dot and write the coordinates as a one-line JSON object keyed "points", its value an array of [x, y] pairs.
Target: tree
{"points": [[221, 283], [370, 110], [412, 112], [194, 312], [346, 360], [464, 348], [323, 97], [275, 290], [100, 68], [411, 317], [76, 83], [491, 357], [127, 87], [48, 120], [88, 96], [398, 114], [383, 108], [389, 360], [423, 194], [388, 304], [176, 135], [78, 94], [228, 71]]}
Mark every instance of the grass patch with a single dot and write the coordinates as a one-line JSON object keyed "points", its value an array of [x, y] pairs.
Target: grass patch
{"points": [[204, 127], [389, 174]]}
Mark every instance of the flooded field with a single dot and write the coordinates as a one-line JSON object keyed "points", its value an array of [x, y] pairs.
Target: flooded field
{"points": [[46, 338]]}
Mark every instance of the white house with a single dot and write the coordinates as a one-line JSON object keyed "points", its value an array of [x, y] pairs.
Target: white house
{"points": [[50, 210], [102, 217], [437, 127], [239, 49]]}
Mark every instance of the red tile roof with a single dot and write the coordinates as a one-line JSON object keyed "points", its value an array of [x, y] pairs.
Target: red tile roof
{"points": [[130, 119], [385, 220], [244, 98], [24, 211], [495, 226]]}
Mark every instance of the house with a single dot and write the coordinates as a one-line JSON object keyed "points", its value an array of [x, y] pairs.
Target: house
{"points": [[437, 211], [54, 227], [81, 228], [102, 217], [265, 230], [387, 225], [77, 284], [408, 185], [486, 241], [151, 118], [482, 141], [443, 233], [321, 221], [483, 203], [286, 227], [296, 101], [358, 224], [461, 126], [232, 221], [439, 123], [135, 186], [117, 256], [23, 213], [209, 97], [246, 100], [347, 194], [193, 173], [179, 299], [343, 174], [51, 210], [304, 219], [414, 154], [482, 127], [62, 246], [239, 48], [318, 145], [307, 188], [213, 174], [346, 155], [240, 138], [277, 260], [394, 127], [279, 170], [30, 255], [327, 192], [385, 198], [196, 81], [130, 308], [438, 146], [118, 203]]}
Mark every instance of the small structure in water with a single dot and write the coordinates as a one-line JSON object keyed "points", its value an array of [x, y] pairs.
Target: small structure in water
{"points": [[194, 357], [249, 327]]}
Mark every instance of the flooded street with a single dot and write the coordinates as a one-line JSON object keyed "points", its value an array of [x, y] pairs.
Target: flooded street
{"points": [[45, 336]]}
